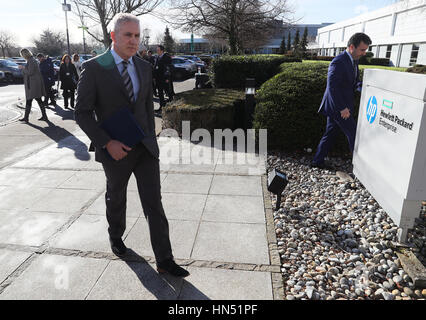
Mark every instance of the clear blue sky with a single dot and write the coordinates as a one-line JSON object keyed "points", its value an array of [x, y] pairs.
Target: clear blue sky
{"points": [[27, 18]]}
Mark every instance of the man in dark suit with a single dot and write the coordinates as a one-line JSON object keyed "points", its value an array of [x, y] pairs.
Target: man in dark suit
{"points": [[114, 80], [162, 74], [338, 102], [48, 73]]}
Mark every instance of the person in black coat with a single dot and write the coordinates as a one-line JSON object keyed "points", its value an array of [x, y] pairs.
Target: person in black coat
{"points": [[162, 69], [48, 73], [69, 79]]}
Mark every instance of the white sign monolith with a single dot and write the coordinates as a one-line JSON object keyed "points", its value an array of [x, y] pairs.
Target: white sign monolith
{"points": [[390, 147]]}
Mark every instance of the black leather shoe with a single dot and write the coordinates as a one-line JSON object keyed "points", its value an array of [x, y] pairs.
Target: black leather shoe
{"points": [[321, 166], [43, 119], [169, 266], [24, 120], [118, 247]]}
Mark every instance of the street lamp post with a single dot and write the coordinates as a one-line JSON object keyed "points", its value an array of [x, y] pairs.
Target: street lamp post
{"points": [[84, 38], [192, 43], [67, 7]]}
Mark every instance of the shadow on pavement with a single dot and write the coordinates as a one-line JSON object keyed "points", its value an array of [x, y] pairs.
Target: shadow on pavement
{"points": [[64, 139], [66, 114], [163, 287]]}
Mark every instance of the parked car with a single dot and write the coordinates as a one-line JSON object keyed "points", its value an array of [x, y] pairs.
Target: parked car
{"points": [[183, 68], [56, 67], [18, 61], [11, 70], [2, 77], [201, 66], [84, 57]]}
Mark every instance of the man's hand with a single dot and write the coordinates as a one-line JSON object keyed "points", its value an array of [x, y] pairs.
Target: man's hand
{"points": [[345, 113], [117, 150]]}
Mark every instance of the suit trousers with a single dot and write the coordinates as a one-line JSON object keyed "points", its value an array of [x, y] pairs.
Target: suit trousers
{"points": [[146, 169], [333, 125], [49, 95], [69, 94], [163, 88]]}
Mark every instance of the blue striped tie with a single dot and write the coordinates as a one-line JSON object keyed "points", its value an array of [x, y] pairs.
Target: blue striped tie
{"points": [[127, 81]]}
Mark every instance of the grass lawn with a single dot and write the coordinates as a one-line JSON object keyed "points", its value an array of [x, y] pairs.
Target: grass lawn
{"points": [[362, 67]]}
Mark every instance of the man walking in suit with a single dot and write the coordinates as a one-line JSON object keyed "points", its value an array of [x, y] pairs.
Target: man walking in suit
{"points": [[48, 73], [162, 74], [338, 102], [114, 80]]}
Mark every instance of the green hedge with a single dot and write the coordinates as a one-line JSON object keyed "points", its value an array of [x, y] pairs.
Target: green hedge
{"points": [[321, 58], [232, 71], [287, 106], [365, 60], [379, 62], [206, 108]]}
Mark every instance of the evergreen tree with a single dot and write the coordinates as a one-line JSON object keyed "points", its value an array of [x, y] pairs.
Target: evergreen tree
{"points": [[51, 43], [289, 41], [168, 41], [304, 43], [296, 41], [283, 46]]}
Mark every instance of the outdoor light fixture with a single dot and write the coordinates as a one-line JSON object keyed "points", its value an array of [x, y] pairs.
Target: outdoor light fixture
{"points": [[277, 181], [250, 102], [250, 86]]}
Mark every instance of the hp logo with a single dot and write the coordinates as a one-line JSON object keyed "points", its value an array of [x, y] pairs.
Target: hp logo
{"points": [[372, 109]]}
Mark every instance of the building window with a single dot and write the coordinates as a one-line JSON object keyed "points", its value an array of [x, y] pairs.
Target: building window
{"points": [[388, 51], [370, 48], [414, 54]]}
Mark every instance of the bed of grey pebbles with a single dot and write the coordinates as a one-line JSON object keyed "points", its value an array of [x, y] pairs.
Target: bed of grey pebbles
{"points": [[335, 240]]}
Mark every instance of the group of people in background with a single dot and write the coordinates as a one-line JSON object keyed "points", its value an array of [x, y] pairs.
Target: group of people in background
{"points": [[39, 80], [162, 72]]}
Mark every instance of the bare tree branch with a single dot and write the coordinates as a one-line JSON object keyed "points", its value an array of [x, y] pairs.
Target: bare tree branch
{"points": [[101, 12], [243, 23], [6, 42]]}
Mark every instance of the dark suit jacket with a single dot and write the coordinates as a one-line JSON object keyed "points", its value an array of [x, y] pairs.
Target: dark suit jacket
{"points": [[101, 92], [341, 86], [47, 71], [162, 67]]}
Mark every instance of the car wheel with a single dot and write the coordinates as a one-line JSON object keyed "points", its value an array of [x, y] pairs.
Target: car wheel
{"points": [[178, 75], [10, 78]]}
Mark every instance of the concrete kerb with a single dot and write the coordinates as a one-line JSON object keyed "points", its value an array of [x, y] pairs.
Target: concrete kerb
{"points": [[275, 260], [16, 108]]}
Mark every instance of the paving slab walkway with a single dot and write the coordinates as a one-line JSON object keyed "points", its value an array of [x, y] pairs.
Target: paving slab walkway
{"points": [[53, 229]]}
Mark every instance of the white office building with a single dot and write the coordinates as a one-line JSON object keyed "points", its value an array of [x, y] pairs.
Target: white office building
{"points": [[398, 32]]}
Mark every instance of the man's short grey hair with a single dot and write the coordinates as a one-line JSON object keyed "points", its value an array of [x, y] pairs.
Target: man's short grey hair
{"points": [[121, 18]]}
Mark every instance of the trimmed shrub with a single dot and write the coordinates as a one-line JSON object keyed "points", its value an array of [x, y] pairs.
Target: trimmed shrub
{"points": [[365, 60], [232, 71], [418, 68], [207, 108], [379, 62], [322, 58], [287, 106]]}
